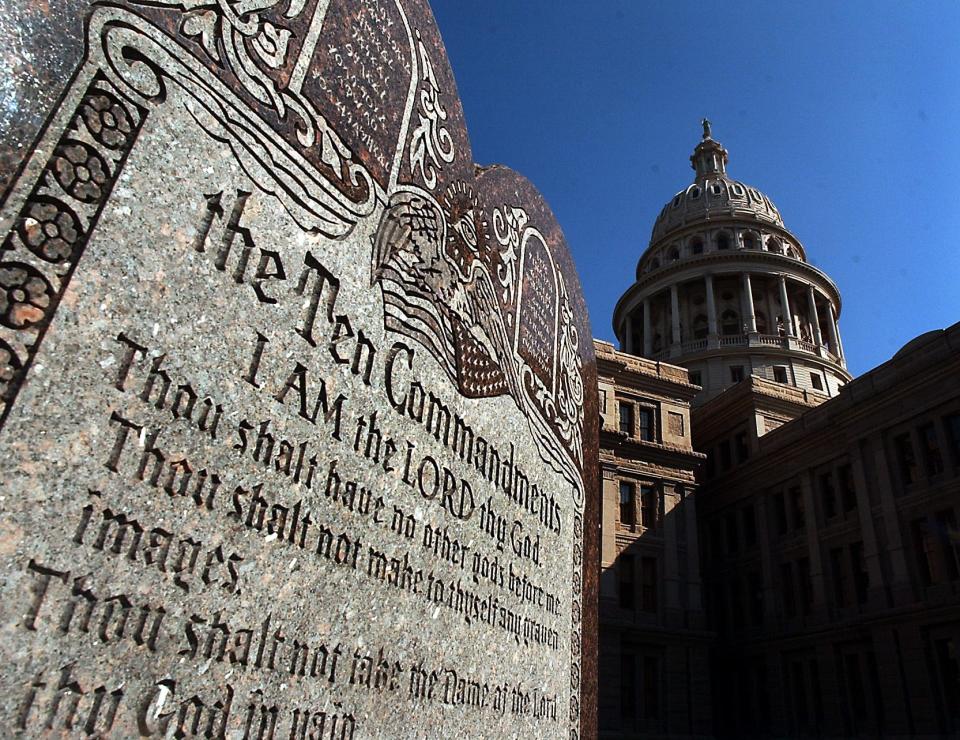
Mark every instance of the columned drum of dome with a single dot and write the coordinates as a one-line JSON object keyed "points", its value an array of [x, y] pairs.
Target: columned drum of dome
{"points": [[725, 290]]}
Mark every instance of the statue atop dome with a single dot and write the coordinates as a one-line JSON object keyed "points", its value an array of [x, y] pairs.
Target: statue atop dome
{"points": [[705, 122]]}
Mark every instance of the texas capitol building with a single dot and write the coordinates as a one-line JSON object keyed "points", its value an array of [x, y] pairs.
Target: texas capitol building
{"points": [[780, 541]]}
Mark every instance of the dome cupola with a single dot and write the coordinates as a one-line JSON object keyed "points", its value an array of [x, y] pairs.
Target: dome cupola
{"points": [[709, 159]]}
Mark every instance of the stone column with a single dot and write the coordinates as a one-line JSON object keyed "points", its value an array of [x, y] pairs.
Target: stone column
{"points": [[628, 333], [836, 332], [675, 314], [901, 591], [832, 331], [749, 314], [871, 551], [814, 320], [711, 307], [647, 332], [672, 614], [694, 585], [785, 307]]}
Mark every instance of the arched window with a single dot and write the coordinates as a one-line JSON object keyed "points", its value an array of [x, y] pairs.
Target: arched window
{"points": [[700, 327], [723, 240], [674, 254], [654, 263], [762, 326], [694, 192], [773, 244], [696, 246], [791, 252], [715, 188], [729, 323], [748, 242], [657, 342]]}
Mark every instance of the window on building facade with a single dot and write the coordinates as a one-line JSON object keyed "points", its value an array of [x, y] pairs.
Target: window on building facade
{"points": [[603, 402], [741, 447], [696, 378], [930, 449], [788, 590], [924, 551], [723, 241], [700, 326], [730, 323], [626, 588], [628, 686], [628, 505], [855, 687], [647, 431], [755, 586], [806, 586], [748, 242], [948, 672], [952, 424], [736, 373], [736, 603], [651, 687], [861, 577], [725, 460], [906, 459], [696, 246], [625, 410], [816, 381], [648, 506], [949, 542], [780, 374], [797, 509], [733, 538], [848, 492], [780, 513], [762, 325], [648, 584], [838, 574], [828, 496], [749, 526]]}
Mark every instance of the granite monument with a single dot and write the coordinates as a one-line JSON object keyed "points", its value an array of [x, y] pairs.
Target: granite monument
{"points": [[298, 422]]}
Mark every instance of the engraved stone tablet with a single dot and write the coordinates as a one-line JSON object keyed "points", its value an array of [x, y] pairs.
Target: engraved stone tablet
{"points": [[298, 424]]}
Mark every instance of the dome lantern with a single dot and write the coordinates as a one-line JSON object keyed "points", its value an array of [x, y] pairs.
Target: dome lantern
{"points": [[709, 159]]}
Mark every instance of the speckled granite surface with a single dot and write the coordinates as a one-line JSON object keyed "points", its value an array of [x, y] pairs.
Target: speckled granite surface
{"points": [[299, 425]]}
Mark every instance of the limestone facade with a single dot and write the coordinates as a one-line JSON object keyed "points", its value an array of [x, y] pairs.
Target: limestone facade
{"points": [[653, 645], [831, 552]]}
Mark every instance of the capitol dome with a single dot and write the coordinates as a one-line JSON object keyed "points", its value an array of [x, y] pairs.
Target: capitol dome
{"points": [[725, 289], [713, 194]]}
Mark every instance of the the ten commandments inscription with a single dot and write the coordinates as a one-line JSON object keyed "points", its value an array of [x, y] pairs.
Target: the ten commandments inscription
{"points": [[298, 416]]}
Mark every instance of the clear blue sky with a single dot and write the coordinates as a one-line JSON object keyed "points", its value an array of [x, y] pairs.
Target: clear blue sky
{"points": [[846, 114]]}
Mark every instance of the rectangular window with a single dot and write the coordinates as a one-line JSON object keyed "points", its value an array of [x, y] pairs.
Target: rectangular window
{"points": [[646, 425], [930, 447], [799, 513], [626, 418], [648, 506], [948, 666], [848, 492], [736, 604], [749, 526], [952, 423], [733, 540], [798, 681], [924, 551], [950, 542], [780, 374], [780, 513], [806, 586], [736, 373], [626, 589], [603, 402], [839, 575], [648, 584], [716, 538], [858, 697], [816, 381], [789, 590], [725, 460], [828, 496], [628, 503], [696, 378], [719, 608], [740, 445], [906, 460], [755, 584], [628, 686], [861, 578], [651, 687]]}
